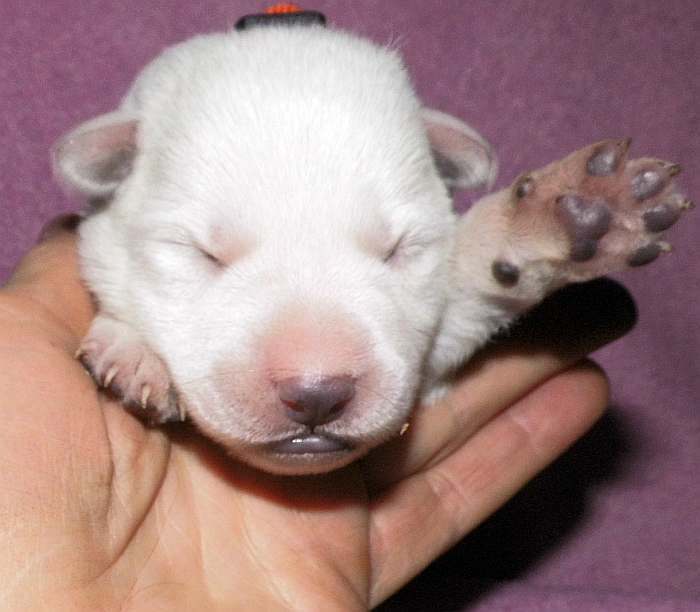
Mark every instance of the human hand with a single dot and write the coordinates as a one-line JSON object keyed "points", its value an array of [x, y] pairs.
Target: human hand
{"points": [[100, 512]]}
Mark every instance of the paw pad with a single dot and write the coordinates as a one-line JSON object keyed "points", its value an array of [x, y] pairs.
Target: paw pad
{"points": [[606, 157], [505, 273], [586, 222]]}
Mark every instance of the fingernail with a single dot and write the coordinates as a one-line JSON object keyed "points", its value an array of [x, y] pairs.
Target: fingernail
{"points": [[63, 223]]}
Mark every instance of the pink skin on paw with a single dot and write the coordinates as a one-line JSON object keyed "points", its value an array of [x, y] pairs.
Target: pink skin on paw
{"points": [[118, 360]]}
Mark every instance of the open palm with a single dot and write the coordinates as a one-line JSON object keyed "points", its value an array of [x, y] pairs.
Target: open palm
{"points": [[99, 512]]}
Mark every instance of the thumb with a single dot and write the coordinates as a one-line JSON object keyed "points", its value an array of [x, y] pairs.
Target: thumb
{"points": [[46, 287]]}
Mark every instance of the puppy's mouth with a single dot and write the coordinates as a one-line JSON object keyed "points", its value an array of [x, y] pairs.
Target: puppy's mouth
{"points": [[310, 444]]}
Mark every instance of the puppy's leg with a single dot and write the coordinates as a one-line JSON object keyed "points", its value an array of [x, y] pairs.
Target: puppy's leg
{"points": [[120, 361], [588, 214]]}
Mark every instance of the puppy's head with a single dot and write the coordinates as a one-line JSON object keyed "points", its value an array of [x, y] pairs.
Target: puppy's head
{"points": [[275, 222]]}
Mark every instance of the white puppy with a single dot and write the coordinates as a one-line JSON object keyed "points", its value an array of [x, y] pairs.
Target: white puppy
{"points": [[274, 253]]}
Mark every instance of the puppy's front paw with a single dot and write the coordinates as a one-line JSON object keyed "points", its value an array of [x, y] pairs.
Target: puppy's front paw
{"points": [[591, 213], [119, 361]]}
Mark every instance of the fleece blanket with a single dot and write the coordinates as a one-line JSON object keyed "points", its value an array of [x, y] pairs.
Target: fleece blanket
{"points": [[615, 524]]}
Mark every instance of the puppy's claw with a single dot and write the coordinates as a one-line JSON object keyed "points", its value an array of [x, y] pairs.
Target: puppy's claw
{"points": [[674, 169], [145, 393], [109, 377]]}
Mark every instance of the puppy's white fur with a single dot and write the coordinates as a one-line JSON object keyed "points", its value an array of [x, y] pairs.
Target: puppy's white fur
{"points": [[268, 204]]}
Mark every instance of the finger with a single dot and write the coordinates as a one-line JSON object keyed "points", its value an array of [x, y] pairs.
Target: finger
{"points": [[46, 289], [433, 509], [569, 325]]}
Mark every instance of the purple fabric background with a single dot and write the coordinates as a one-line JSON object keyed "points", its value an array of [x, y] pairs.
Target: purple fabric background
{"points": [[614, 525]]}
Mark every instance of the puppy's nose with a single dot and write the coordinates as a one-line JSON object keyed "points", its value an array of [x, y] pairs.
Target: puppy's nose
{"points": [[314, 402]]}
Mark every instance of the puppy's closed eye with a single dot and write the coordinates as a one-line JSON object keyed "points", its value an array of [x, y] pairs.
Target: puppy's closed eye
{"points": [[410, 245], [395, 250], [217, 249], [212, 258], [187, 247]]}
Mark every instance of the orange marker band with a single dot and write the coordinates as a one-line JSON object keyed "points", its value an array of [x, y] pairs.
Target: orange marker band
{"points": [[282, 9]]}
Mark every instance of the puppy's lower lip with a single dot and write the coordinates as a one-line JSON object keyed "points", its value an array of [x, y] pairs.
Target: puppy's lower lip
{"points": [[312, 443]]}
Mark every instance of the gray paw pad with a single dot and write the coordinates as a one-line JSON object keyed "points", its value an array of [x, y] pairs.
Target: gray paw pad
{"points": [[584, 218], [524, 186], [586, 221], [606, 157], [661, 217], [652, 180], [645, 255], [505, 273]]}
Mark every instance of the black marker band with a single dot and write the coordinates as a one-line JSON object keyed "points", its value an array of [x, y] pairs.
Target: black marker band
{"points": [[304, 18]]}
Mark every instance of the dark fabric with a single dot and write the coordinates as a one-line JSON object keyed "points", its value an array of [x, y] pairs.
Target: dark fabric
{"points": [[614, 525]]}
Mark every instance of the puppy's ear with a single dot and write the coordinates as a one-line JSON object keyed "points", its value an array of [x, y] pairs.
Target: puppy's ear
{"points": [[463, 158], [98, 155]]}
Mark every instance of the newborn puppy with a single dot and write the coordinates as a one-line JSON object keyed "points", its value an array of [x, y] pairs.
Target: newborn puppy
{"points": [[272, 247]]}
